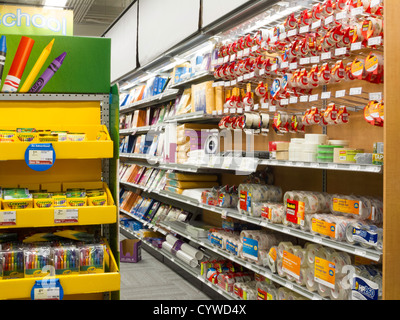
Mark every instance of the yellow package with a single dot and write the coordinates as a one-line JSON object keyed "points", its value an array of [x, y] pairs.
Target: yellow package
{"points": [[184, 104], [203, 97], [48, 137], [102, 136], [191, 184], [97, 198], [17, 204], [59, 200], [219, 98], [7, 136], [191, 177], [43, 203], [27, 136], [77, 202]]}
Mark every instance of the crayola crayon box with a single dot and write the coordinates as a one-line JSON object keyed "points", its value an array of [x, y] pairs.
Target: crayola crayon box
{"points": [[76, 198], [43, 200], [16, 199], [59, 200], [92, 259], [96, 198]]}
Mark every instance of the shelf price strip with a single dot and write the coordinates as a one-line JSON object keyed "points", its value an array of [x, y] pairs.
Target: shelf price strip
{"points": [[66, 216]]}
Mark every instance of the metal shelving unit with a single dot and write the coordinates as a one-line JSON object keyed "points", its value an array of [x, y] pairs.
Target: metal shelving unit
{"points": [[194, 272], [234, 213]]}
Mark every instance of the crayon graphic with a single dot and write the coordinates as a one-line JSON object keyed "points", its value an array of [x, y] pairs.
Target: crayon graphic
{"points": [[18, 65], [48, 74], [3, 54], [36, 68]]}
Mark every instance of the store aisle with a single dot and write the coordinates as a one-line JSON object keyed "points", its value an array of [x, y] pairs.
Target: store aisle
{"points": [[152, 280]]}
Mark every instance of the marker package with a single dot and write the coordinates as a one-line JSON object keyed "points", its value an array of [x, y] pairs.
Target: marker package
{"points": [[36, 260], [11, 264], [65, 259], [92, 259]]}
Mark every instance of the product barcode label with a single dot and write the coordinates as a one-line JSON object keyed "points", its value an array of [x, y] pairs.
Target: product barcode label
{"points": [[66, 215], [40, 157], [8, 218], [47, 294]]}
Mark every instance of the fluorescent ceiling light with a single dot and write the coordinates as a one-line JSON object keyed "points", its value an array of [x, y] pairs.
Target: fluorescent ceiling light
{"points": [[55, 3]]}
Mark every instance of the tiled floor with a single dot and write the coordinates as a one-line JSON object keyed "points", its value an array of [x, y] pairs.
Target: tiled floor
{"points": [[150, 279]]}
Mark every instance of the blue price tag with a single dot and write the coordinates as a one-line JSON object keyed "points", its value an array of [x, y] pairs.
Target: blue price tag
{"points": [[40, 156], [47, 289]]}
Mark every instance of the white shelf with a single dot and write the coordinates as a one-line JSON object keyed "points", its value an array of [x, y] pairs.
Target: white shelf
{"points": [[197, 78], [133, 131], [160, 98], [242, 166], [195, 272], [234, 213], [323, 166], [194, 117], [258, 269]]}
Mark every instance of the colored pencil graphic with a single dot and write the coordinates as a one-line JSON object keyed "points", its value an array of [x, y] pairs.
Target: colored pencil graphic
{"points": [[48, 74], [3, 54], [17, 69], [37, 67]]}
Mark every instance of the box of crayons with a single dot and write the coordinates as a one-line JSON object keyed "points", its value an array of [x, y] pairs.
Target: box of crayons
{"points": [[92, 259], [66, 260], [12, 264], [76, 198], [17, 198], [97, 198]]}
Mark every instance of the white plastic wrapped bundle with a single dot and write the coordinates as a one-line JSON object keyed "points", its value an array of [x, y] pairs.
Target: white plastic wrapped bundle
{"points": [[272, 292], [311, 251], [193, 252], [324, 200], [339, 292], [181, 255], [257, 209], [340, 259], [283, 293], [290, 224], [271, 262], [377, 216], [325, 253], [270, 211], [279, 269], [364, 234], [301, 253], [262, 258], [364, 207], [303, 277], [253, 193], [307, 222], [284, 246], [310, 281], [323, 290]]}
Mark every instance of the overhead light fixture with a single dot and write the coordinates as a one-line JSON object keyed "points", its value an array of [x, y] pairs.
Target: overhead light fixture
{"points": [[55, 4]]}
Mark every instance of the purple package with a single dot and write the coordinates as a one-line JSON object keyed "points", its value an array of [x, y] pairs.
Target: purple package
{"points": [[48, 74], [130, 251]]}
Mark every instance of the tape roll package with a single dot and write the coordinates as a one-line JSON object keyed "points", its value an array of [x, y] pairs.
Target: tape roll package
{"points": [[255, 193]]}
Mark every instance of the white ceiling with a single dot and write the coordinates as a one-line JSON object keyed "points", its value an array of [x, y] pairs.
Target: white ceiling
{"points": [[91, 17]]}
